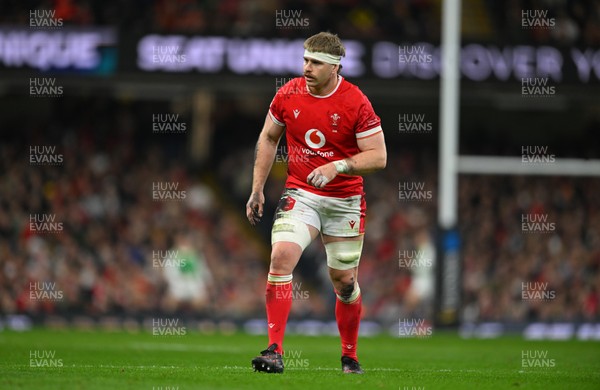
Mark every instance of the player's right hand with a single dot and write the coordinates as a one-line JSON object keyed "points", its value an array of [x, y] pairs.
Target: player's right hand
{"points": [[254, 207]]}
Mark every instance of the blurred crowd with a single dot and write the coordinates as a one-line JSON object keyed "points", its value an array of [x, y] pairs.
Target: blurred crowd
{"points": [[115, 248], [548, 271], [562, 22]]}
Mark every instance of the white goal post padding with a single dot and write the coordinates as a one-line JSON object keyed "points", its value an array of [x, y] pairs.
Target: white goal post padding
{"points": [[496, 165]]}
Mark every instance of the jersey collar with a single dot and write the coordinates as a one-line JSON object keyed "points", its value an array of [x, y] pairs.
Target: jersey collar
{"points": [[340, 78]]}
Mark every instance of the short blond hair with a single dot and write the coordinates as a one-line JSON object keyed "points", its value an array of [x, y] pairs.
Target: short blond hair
{"points": [[326, 42]]}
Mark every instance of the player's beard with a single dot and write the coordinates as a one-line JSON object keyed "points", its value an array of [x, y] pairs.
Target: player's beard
{"points": [[315, 86], [309, 79]]}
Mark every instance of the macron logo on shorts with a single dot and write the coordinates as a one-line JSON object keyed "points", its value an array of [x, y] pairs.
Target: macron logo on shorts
{"points": [[352, 223]]}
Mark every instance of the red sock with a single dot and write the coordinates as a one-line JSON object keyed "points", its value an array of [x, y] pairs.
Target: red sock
{"points": [[279, 303], [347, 316]]}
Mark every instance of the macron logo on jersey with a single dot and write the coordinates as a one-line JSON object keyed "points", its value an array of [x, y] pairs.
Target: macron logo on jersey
{"points": [[296, 113]]}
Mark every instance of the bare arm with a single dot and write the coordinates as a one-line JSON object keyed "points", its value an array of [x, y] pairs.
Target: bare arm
{"points": [[372, 157], [264, 154]]}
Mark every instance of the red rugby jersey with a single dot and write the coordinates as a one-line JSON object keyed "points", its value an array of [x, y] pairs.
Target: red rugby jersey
{"points": [[322, 129]]}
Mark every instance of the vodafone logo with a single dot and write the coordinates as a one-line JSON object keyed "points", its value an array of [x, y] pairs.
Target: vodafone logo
{"points": [[314, 138]]}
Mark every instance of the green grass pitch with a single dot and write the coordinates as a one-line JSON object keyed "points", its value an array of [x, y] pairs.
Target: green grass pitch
{"points": [[119, 360]]}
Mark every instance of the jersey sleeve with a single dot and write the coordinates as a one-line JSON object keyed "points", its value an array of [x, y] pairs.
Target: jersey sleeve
{"points": [[276, 108], [368, 122]]}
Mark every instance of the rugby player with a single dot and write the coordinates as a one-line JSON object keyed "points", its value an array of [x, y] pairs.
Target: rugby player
{"points": [[333, 137]]}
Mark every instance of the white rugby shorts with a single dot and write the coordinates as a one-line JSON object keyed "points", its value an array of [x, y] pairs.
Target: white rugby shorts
{"points": [[338, 217]]}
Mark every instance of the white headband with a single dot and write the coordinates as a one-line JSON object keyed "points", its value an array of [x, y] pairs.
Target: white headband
{"points": [[323, 57]]}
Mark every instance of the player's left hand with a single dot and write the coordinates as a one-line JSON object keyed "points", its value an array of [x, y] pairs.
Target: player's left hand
{"points": [[322, 175]]}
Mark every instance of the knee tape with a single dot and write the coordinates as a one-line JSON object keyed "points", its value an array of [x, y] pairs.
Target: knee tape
{"points": [[350, 297], [286, 229], [343, 255]]}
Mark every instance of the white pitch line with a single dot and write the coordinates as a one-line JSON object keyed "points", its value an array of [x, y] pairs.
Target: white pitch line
{"points": [[160, 347], [127, 367], [239, 368], [249, 368], [383, 369], [313, 369], [184, 347], [112, 366]]}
